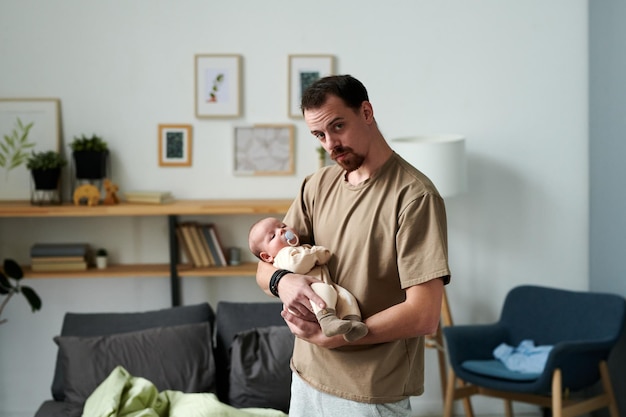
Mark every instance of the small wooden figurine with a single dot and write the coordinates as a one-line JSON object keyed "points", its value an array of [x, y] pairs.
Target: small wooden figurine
{"points": [[88, 192], [111, 193]]}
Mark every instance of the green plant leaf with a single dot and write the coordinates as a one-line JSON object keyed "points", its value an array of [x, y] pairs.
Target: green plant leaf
{"points": [[32, 297], [12, 150], [5, 285], [12, 269], [9, 140]]}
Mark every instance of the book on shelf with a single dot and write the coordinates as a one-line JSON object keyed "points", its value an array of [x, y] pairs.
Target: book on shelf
{"points": [[55, 259], [205, 245], [184, 252], [208, 238], [186, 231], [197, 242], [59, 266], [215, 238], [151, 197], [59, 249]]}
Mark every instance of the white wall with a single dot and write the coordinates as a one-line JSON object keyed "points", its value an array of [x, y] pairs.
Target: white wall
{"points": [[510, 75]]}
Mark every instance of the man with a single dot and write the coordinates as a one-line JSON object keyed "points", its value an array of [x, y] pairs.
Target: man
{"points": [[387, 226]]}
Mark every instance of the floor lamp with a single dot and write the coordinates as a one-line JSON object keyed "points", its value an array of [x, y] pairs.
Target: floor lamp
{"points": [[442, 159]]}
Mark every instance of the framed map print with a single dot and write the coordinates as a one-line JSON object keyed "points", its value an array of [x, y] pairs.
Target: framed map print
{"points": [[264, 150]]}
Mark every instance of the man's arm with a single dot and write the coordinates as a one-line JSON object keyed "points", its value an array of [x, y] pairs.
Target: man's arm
{"points": [[294, 291], [417, 315]]}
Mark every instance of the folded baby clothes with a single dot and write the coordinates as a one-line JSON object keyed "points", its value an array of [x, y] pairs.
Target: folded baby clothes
{"points": [[524, 358]]}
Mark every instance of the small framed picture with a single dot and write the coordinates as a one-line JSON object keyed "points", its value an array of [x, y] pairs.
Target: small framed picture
{"points": [[218, 86], [264, 150], [174, 145], [303, 71]]}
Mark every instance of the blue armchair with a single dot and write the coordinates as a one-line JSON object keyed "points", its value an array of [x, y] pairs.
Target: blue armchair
{"points": [[582, 327]]}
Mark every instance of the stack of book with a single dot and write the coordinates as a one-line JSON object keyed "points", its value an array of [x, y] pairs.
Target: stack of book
{"points": [[200, 244], [59, 256], [149, 197]]}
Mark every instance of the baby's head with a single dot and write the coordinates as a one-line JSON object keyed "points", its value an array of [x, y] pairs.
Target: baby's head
{"points": [[268, 236]]}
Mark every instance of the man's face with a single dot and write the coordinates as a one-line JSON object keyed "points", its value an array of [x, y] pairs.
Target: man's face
{"points": [[342, 131]]}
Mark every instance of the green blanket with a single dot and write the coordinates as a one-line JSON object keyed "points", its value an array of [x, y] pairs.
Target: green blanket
{"points": [[123, 395]]}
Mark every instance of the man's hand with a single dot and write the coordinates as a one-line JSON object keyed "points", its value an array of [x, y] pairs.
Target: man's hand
{"points": [[297, 295], [294, 290], [310, 331]]}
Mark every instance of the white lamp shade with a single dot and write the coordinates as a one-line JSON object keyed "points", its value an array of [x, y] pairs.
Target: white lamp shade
{"points": [[440, 157]]}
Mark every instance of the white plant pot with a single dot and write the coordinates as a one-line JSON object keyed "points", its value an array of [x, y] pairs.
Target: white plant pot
{"points": [[101, 262]]}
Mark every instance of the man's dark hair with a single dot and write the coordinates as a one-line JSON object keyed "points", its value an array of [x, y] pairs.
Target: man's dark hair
{"points": [[346, 87]]}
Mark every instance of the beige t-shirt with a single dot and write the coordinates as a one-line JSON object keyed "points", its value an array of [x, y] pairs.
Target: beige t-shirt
{"points": [[387, 233]]}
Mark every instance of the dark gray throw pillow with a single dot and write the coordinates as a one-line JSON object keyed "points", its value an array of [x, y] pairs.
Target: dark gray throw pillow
{"points": [[173, 358], [259, 369]]}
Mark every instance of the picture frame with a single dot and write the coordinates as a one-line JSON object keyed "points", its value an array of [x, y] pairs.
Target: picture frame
{"points": [[217, 85], [303, 71], [265, 149], [175, 145], [44, 135]]}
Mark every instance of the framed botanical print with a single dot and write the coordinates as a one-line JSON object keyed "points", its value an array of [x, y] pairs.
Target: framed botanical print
{"points": [[174, 145], [303, 71], [218, 86], [26, 125]]}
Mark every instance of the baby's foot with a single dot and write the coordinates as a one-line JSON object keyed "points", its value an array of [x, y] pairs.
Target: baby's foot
{"points": [[331, 324]]}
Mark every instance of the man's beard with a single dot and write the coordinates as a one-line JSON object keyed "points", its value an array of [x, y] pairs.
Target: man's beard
{"points": [[350, 161]]}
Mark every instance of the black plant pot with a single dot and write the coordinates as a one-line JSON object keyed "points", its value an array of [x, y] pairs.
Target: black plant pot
{"points": [[90, 165], [46, 179], [45, 186]]}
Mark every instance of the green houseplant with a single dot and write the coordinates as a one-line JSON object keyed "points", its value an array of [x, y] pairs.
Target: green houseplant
{"points": [[10, 284], [90, 155], [45, 168], [101, 258]]}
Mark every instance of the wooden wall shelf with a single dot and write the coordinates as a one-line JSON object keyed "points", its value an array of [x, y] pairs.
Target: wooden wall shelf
{"points": [[179, 208], [17, 209]]}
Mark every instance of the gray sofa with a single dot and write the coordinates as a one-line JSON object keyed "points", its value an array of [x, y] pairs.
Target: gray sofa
{"points": [[240, 352]]}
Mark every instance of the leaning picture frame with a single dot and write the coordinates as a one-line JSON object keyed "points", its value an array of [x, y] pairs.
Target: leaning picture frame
{"points": [[175, 145], [217, 85], [303, 71], [16, 114], [266, 149]]}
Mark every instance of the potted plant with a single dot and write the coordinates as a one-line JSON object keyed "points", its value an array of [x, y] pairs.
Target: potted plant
{"points": [[101, 258], [90, 157], [11, 271], [45, 168]]}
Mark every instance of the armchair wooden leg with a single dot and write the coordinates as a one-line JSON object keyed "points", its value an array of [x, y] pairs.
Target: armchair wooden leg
{"points": [[449, 394], [508, 408], [457, 389], [557, 394], [467, 405], [608, 388]]}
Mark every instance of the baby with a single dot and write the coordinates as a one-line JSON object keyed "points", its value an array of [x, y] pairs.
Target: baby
{"points": [[272, 241]]}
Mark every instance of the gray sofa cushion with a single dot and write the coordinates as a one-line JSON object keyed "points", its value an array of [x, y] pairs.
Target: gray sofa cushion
{"points": [[173, 358], [233, 318], [259, 368], [99, 324]]}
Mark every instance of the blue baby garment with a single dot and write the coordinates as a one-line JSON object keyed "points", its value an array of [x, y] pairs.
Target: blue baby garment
{"points": [[524, 358]]}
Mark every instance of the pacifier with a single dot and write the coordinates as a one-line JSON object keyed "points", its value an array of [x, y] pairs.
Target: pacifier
{"points": [[291, 238]]}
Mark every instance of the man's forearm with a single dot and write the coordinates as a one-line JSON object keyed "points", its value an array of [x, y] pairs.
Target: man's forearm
{"points": [[264, 273]]}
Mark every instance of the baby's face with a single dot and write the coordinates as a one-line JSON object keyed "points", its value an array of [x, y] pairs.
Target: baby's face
{"points": [[271, 235]]}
